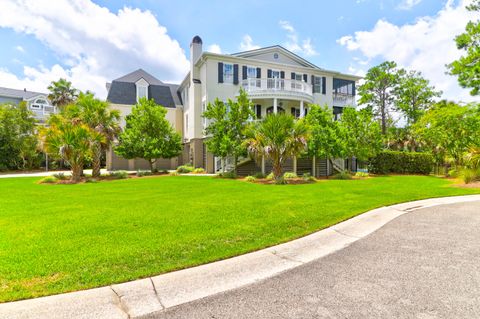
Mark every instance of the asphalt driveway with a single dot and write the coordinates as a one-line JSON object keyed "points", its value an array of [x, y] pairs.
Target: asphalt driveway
{"points": [[424, 264]]}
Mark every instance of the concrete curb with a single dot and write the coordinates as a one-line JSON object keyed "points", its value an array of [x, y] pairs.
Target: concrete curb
{"points": [[146, 296]]}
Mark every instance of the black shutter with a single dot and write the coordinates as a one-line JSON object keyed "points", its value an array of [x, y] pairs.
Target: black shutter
{"points": [[313, 84], [282, 74], [353, 89], [324, 85], [220, 72], [293, 76], [305, 78], [244, 72], [259, 111], [259, 73], [269, 73], [235, 74]]}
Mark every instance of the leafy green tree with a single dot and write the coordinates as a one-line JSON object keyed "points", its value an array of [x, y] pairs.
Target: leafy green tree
{"points": [[378, 90], [361, 134], [325, 138], [148, 134], [218, 142], [18, 140], [62, 93], [278, 137], [402, 139], [449, 130], [71, 141], [467, 67], [227, 124], [413, 95], [97, 115]]}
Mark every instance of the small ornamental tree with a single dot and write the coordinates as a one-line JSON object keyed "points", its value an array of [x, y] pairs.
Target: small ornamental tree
{"points": [[226, 127], [278, 137], [97, 115], [69, 140], [325, 134], [361, 133], [148, 134]]}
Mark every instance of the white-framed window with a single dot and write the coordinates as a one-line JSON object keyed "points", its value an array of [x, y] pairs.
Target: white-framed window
{"points": [[251, 72], [41, 101], [227, 73], [317, 85], [142, 91], [36, 106], [275, 74], [298, 77]]}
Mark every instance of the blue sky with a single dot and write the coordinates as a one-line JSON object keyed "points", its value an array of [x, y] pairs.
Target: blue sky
{"points": [[94, 42]]}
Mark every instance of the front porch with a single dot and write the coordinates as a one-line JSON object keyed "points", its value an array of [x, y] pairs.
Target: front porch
{"points": [[265, 106]]}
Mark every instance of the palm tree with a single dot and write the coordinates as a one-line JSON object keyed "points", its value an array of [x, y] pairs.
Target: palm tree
{"points": [[278, 137], [70, 140], [62, 93], [472, 157], [96, 115]]}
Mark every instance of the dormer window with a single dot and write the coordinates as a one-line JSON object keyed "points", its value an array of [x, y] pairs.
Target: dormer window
{"points": [[142, 89]]}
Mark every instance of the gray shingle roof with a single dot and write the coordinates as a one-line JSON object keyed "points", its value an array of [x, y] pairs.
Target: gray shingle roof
{"points": [[19, 93], [137, 75]]}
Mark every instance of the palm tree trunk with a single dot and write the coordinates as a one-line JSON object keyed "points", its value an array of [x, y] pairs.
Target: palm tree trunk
{"points": [[96, 160], [77, 170], [277, 171]]}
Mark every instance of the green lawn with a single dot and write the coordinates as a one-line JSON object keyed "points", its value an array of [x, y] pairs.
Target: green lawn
{"points": [[59, 238]]}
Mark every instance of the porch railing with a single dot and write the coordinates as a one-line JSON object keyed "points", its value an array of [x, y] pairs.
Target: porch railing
{"points": [[271, 85], [341, 99]]}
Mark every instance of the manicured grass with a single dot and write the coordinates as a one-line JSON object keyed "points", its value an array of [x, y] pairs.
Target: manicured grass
{"points": [[59, 238]]}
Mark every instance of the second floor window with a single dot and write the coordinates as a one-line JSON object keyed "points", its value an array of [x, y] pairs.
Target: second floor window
{"points": [[227, 73], [317, 85], [251, 72]]}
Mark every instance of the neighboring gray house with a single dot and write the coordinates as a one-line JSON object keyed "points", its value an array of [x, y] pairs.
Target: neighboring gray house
{"points": [[37, 102], [124, 92]]}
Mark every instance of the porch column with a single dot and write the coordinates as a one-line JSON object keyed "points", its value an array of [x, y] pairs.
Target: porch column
{"points": [[263, 165], [275, 108], [302, 109], [295, 164]]}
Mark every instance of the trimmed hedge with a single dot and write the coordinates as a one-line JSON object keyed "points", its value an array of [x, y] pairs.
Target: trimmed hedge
{"points": [[401, 162]]}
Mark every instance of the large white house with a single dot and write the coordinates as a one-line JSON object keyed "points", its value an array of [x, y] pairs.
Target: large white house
{"points": [[275, 79], [37, 102]]}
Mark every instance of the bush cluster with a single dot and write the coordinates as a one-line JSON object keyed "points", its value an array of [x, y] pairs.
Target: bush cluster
{"points": [[401, 162], [119, 174], [470, 175], [290, 175], [198, 170], [250, 179], [361, 174], [185, 169], [343, 175], [141, 173]]}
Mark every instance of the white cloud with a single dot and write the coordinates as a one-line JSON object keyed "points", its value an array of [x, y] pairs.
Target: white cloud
{"points": [[214, 48], [94, 44], [247, 43], [293, 43], [408, 4], [425, 45], [19, 48]]}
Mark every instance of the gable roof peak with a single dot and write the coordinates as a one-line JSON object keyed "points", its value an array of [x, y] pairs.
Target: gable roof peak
{"points": [[136, 75]]}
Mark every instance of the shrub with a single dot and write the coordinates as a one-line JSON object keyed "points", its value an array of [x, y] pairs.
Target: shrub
{"points": [[269, 176], [343, 175], [308, 177], [290, 175], [141, 173], [250, 179], [281, 181], [469, 175], [119, 174], [198, 170], [60, 176], [231, 175], [48, 180], [361, 174], [453, 173], [174, 173], [401, 162], [259, 175], [184, 169], [91, 180]]}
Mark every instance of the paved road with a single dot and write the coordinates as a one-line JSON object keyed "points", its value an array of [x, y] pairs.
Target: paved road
{"points": [[425, 264]]}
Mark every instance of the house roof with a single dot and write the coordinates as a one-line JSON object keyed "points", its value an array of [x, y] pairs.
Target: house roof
{"points": [[123, 90], [279, 48], [21, 94], [139, 74]]}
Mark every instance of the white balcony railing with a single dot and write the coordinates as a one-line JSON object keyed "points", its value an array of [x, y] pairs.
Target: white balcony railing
{"points": [[42, 111], [341, 99], [276, 85]]}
